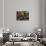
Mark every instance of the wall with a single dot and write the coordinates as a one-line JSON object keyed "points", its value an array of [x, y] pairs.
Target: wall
{"points": [[44, 18], [1, 15], [35, 15]]}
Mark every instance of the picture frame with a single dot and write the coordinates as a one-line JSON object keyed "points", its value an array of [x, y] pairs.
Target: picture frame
{"points": [[22, 15]]}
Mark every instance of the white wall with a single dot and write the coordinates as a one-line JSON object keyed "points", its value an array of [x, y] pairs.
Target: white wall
{"points": [[1, 14], [34, 8], [44, 18]]}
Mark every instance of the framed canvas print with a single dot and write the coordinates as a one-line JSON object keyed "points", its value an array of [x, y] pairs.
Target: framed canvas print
{"points": [[22, 15]]}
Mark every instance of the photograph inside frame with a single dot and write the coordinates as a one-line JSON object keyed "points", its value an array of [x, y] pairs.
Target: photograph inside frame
{"points": [[22, 15]]}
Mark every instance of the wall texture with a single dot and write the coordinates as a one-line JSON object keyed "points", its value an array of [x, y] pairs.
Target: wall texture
{"points": [[35, 15]]}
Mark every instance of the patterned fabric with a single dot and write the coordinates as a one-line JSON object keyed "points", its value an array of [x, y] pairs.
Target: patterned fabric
{"points": [[5, 37]]}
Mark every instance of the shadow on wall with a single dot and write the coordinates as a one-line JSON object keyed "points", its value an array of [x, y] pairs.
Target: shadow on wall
{"points": [[12, 29], [44, 31], [39, 32]]}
